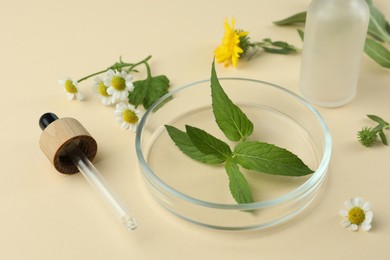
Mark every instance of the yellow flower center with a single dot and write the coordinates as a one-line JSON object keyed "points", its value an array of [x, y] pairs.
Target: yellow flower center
{"points": [[118, 83], [129, 116], [102, 89], [356, 215], [70, 87]]}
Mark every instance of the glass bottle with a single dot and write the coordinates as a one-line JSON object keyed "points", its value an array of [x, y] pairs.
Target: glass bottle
{"points": [[335, 34]]}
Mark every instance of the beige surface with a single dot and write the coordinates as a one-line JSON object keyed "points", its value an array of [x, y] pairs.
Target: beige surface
{"points": [[45, 215]]}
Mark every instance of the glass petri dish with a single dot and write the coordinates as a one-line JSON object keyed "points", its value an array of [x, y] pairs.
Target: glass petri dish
{"points": [[199, 193]]}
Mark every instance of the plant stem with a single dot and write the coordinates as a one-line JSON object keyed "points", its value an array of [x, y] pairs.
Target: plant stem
{"points": [[148, 71], [119, 66], [91, 75]]}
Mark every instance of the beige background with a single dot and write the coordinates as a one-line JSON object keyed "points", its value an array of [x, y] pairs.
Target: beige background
{"points": [[45, 215]]}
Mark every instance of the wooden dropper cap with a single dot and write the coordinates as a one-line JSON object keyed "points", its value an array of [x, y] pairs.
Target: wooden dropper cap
{"points": [[59, 133]]}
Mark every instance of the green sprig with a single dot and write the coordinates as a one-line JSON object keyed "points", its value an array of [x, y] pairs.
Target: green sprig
{"points": [[146, 91], [237, 127], [119, 66], [267, 45], [368, 136]]}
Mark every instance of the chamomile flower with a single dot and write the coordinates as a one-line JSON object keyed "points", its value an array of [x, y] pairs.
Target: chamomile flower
{"points": [[231, 48], [357, 214], [71, 88], [101, 90], [128, 116], [119, 84]]}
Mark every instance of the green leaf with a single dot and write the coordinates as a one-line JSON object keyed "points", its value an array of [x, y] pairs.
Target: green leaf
{"points": [[388, 27], [238, 185], [378, 119], [382, 124], [378, 26], [230, 119], [148, 91], [278, 47], [268, 158], [294, 19], [377, 52], [183, 141], [208, 144], [301, 34], [383, 138]]}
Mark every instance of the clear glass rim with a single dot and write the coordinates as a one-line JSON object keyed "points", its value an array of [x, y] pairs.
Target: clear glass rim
{"points": [[316, 177]]}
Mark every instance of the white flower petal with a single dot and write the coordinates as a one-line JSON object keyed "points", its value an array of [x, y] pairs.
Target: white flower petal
{"points": [[125, 125], [345, 223], [366, 226], [110, 73], [79, 96], [122, 95], [115, 95], [110, 90], [121, 106], [129, 77], [343, 213], [353, 227], [130, 88], [366, 206], [123, 74], [106, 101], [133, 128], [369, 216], [357, 202], [70, 96], [348, 204]]}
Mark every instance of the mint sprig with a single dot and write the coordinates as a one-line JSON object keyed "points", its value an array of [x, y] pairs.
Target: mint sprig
{"points": [[236, 126]]}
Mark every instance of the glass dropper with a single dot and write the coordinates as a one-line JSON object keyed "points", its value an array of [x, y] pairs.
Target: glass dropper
{"points": [[72, 151]]}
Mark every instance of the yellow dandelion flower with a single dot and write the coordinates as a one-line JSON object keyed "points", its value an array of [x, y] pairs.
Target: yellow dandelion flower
{"points": [[229, 51]]}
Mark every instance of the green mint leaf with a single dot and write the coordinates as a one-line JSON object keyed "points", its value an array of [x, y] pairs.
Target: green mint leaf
{"points": [[268, 158], [208, 144], [148, 91], [183, 141], [382, 124], [378, 26], [378, 119], [383, 137], [294, 19], [377, 52], [230, 119], [238, 185]]}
